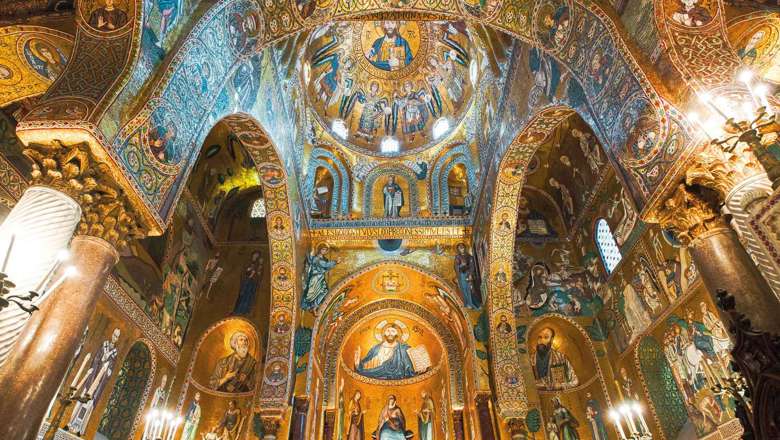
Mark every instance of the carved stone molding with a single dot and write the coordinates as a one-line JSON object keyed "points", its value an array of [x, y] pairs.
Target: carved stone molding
{"points": [[722, 171], [690, 212], [107, 212]]}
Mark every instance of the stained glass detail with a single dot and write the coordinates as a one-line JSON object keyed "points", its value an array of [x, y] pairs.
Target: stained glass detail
{"points": [[123, 405], [666, 396], [608, 248]]}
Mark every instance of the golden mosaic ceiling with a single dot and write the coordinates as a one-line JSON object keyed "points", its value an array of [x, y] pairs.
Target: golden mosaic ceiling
{"points": [[390, 88]]}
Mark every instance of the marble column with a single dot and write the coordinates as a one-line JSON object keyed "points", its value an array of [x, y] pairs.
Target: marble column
{"points": [[692, 212], [485, 416], [328, 424], [298, 422], [38, 361], [34, 370], [41, 225], [457, 424]]}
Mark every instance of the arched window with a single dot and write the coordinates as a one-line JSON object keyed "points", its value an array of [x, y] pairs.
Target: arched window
{"points": [[608, 248], [258, 209], [125, 401]]}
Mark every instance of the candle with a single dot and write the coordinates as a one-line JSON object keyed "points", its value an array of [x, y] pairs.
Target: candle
{"points": [[8, 253], [84, 380], [81, 370], [626, 411], [97, 380], [638, 410], [69, 272], [48, 276], [616, 420], [149, 420]]}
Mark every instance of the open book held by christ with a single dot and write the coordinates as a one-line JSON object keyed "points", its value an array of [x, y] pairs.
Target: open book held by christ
{"points": [[421, 360]]}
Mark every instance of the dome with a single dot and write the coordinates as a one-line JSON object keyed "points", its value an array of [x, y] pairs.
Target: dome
{"points": [[390, 88]]}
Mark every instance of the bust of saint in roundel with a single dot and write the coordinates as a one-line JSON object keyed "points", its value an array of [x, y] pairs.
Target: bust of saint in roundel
{"points": [[391, 358]]}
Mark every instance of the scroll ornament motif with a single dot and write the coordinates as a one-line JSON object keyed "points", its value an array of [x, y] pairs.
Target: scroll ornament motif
{"points": [[106, 210]]}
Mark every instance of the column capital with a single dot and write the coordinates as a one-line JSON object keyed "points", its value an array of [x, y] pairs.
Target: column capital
{"points": [[721, 170], [271, 425], [517, 429], [689, 212], [107, 210]]}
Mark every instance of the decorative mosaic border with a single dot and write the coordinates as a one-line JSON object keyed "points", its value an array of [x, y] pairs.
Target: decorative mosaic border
{"points": [[150, 330]]}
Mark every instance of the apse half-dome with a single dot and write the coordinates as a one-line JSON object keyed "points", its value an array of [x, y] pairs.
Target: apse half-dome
{"points": [[390, 88]]}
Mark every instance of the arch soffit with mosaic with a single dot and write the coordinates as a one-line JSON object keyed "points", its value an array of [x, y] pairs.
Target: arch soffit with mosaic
{"points": [[278, 22], [19, 79], [339, 287], [342, 284], [511, 398], [702, 54], [272, 393], [454, 357]]}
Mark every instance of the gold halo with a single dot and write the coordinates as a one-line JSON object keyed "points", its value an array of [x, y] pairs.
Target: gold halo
{"points": [[35, 43], [229, 335], [380, 328]]}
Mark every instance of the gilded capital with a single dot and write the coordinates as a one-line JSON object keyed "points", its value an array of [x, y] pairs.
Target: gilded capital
{"points": [[106, 211], [721, 170], [689, 214], [271, 425], [517, 428]]}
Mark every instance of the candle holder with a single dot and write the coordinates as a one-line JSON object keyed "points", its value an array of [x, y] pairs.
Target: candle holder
{"points": [[756, 128], [629, 414], [161, 425], [25, 302], [65, 399]]}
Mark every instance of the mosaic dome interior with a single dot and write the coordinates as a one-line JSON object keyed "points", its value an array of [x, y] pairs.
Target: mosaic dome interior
{"points": [[390, 88]]}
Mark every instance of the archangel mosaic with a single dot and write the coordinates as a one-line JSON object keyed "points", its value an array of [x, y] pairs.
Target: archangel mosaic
{"points": [[389, 220]]}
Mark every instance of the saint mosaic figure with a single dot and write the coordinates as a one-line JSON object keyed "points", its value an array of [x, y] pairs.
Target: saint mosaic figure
{"points": [[315, 282], [160, 394], [391, 51], [94, 383], [392, 423], [356, 430], [248, 287], [229, 426], [425, 417], [108, 17], [389, 358], [466, 270], [393, 198], [598, 430], [552, 369], [191, 419], [565, 421], [235, 373], [376, 110]]}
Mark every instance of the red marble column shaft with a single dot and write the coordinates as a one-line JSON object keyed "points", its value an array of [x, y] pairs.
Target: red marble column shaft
{"points": [[33, 372]]}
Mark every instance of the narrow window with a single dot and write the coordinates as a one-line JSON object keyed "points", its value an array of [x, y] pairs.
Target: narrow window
{"points": [[608, 248]]}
